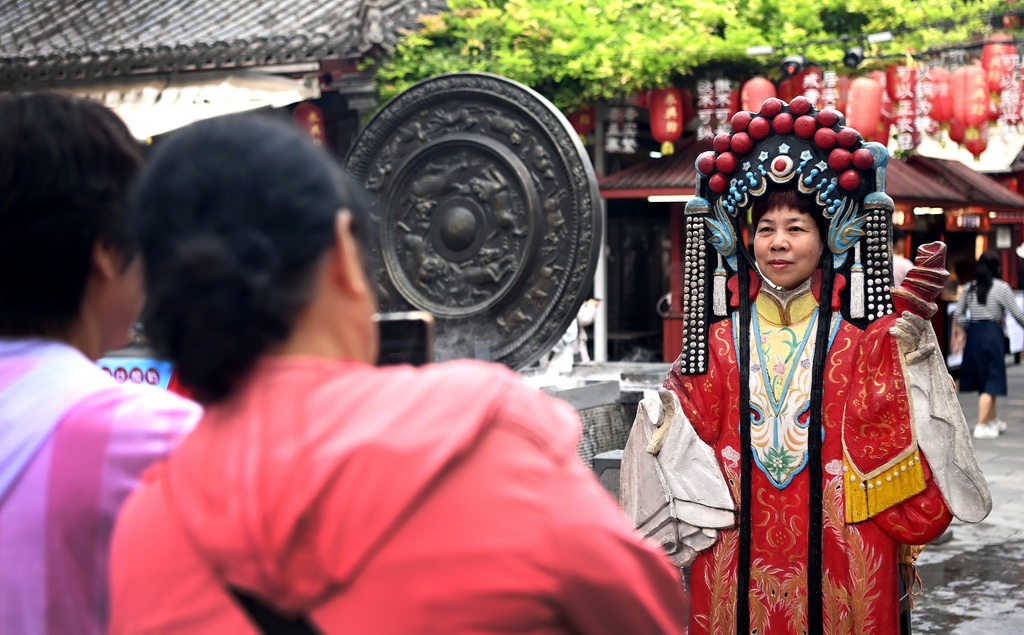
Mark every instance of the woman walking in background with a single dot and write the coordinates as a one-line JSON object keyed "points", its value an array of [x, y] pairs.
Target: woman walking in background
{"points": [[983, 306]]}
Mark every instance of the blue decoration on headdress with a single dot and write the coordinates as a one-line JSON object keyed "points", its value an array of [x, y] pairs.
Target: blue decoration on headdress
{"points": [[845, 229], [722, 235]]}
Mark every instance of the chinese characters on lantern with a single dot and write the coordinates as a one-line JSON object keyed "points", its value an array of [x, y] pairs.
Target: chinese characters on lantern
{"points": [[901, 84], [1010, 95], [667, 117], [311, 119], [716, 104], [811, 85], [829, 90], [926, 93], [620, 134], [723, 105]]}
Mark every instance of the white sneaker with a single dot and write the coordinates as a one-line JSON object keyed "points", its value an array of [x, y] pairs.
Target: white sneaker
{"points": [[999, 424], [985, 431]]}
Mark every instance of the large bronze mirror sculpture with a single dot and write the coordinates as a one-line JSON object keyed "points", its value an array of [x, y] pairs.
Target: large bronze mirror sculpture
{"points": [[485, 214]]}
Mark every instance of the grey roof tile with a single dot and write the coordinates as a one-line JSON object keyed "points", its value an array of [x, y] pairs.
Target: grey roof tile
{"points": [[53, 40]]}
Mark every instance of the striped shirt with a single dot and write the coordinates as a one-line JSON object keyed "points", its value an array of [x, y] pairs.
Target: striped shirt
{"points": [[998, 303], [73, 444]]}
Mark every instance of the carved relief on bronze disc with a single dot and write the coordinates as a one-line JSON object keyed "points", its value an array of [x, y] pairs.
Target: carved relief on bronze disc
{"points": [[485, 214]]}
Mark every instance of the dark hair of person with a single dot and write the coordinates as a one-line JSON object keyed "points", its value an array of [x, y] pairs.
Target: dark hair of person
{"points": [[989, 268], [65, 168], [235, 214]]}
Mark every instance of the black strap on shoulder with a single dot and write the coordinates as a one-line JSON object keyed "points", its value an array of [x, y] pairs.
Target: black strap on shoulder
{"points": [[268, 620]]}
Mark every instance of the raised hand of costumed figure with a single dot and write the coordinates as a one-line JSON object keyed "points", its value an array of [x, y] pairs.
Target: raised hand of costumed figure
{"points": [[939, 423], [914, 300]]}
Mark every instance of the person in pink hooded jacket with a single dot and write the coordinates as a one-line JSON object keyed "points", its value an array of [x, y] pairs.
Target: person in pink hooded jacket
{"points": [[342, 496]]}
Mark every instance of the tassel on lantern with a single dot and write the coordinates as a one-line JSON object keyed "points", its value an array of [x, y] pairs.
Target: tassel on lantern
{"points": [[718, 297], [668, 148], [583, 121], [856, 284]]}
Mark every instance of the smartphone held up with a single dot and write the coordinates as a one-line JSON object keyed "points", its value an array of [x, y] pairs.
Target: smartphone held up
{"points": [[405, 338]]}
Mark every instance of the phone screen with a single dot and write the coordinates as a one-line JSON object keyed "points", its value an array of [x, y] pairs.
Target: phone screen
{"points": [[405, 338]]}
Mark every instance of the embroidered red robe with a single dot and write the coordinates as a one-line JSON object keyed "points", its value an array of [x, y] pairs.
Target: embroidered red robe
{"points": [[877, 488]]}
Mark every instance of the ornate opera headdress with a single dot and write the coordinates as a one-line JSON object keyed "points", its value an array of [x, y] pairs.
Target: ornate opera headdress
{"points": [[783, 144]]}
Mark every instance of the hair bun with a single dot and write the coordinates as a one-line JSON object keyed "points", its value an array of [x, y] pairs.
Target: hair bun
{"points": [[215, 307]]}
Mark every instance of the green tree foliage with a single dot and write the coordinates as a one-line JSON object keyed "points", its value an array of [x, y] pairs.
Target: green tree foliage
{"points": [[574, 51]]}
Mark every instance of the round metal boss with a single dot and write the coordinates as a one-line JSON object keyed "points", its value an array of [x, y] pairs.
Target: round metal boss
{"points": [[485, 214]]}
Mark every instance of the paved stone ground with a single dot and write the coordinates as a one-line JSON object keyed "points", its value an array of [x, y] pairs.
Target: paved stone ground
{"points": [[974, 582]]}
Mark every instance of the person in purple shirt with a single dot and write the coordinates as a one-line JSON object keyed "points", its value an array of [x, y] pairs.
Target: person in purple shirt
{"points": [[73, 442]]}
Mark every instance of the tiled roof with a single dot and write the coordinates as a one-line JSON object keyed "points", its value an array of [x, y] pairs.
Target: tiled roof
{"points": [[676, 175], [979, 189], [56, 40], [910, 186]]}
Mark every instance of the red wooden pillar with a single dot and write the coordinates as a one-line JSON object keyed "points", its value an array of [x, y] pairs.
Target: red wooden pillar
{"points": [[672, 324]]}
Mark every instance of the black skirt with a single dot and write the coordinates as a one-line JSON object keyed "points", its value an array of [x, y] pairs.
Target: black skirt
{"points": [[984, 365]]}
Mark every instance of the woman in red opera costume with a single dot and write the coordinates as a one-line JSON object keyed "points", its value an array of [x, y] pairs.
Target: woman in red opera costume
{"points": [[791, 517]]}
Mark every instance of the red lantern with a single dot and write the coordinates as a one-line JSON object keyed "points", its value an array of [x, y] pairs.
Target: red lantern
{"points": [[809, 85], [887, 108], [788, 89], [925, 94], [311, 119], [583, 120], [970, 95], [864, 108], [976, 140], [843, 89], [1010, 102], [999, 60], [942, 98], [993, 109], [901, 87], [666, 112], [957, 130], [881, 134], [900, 82], [755, 90]]}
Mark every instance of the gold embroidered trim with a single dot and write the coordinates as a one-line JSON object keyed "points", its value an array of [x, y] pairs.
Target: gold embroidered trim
{"points": [[795, 307], [867, 495]]}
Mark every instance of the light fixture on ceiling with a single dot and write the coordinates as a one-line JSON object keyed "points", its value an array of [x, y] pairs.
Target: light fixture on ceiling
{"points": [[792, 65], [670, 198], [854, 56]]}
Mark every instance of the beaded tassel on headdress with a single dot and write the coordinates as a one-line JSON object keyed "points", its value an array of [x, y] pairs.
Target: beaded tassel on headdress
{"points": [[695, 290], [857, 284], [721, 305]]}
